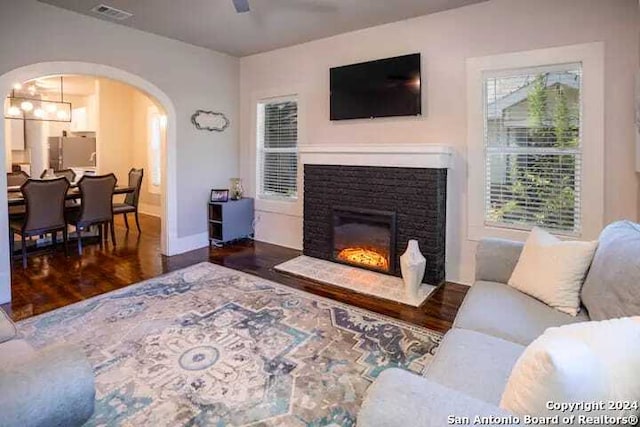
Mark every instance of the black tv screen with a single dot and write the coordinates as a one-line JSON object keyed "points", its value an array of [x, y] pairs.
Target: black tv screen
{"points": [[382, 88]]}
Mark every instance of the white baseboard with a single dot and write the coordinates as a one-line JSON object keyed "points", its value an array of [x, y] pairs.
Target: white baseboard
{"points": [[181, 245], [153, 210], [279, 243]]}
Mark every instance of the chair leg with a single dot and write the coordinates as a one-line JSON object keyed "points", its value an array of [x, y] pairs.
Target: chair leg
{"points": [[12, 243], [24, 251], [113, 232], [54, 239], [100, 235], [138, 222], [79, 233], [65, 241], [126, 221]]}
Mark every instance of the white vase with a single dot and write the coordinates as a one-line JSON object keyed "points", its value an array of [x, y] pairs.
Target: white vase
{"points": [[412, 265]]}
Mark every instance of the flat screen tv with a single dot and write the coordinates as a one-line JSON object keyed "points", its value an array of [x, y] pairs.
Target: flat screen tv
{"points": [[383, 88]]}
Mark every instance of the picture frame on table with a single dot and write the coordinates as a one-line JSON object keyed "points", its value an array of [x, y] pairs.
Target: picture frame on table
{"points": [[219, 195]]}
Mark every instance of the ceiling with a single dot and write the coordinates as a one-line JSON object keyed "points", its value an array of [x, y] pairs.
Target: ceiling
{"points": [[269, 25], [73, 85]]}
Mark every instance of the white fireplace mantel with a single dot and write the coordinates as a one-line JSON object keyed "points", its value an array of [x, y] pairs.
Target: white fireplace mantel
{"points": [[389, 155]]}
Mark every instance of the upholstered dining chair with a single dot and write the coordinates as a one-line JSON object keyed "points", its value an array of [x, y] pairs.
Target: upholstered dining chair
{"points": [[44, 213], [70, 175], [96, 207], [131, 200], [67, 173], [16, 179]]}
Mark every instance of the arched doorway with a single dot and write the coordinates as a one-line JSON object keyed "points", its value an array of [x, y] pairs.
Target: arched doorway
{"points": [[168, 205]]}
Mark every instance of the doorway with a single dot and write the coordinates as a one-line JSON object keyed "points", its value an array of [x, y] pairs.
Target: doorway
{"points": [[164, 115]]}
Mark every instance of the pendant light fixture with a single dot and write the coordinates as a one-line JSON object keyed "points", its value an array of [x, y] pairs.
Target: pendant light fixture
{"points": [[26, 103]]}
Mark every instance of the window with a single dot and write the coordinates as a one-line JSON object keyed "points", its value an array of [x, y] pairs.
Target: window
{"points": [[157, 124], [533, 148], [277, 139]]}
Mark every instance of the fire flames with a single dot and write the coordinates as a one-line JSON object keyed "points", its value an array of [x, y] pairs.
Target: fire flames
{"points": [[363, 256]]}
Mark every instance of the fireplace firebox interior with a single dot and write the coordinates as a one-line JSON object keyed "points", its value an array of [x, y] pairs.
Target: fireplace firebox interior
{"points": [[364, 238]]}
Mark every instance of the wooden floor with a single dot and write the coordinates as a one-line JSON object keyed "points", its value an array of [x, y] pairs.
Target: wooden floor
{"points": [[52, 280]]}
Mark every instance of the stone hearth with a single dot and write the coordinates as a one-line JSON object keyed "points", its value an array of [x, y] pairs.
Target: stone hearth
{"points": [[355, 279]]}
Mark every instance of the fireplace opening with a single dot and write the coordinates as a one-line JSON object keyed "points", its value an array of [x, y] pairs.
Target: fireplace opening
{"points": [[364, 238]]}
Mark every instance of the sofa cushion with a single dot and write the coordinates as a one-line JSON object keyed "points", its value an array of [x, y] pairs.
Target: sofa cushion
{"points": [[612, 286], [15, 351], [499, 310], [475, 364], [53, 386], [399, 398], [584, 362], [553, 270], [7, 328]]}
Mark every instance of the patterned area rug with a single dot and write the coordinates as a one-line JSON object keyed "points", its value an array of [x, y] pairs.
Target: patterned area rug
{"points": [[212, 346]]}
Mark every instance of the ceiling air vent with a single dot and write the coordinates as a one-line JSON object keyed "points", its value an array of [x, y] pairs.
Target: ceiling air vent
{"points": [[111, 12]]}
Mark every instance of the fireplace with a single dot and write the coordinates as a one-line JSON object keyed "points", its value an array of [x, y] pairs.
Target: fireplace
{"points": [[383, 207], [365, 238]]}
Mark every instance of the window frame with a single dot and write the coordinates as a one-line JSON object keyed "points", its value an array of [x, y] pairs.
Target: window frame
{"points": [[261, 150], [154, 154], [591, 57], [493, 150]]}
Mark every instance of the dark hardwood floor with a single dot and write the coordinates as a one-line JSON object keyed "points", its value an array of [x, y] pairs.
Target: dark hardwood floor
{"points": [[52, 280]]}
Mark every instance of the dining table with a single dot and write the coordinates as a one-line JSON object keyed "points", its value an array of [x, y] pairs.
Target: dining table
{"points": [[15, 197]]}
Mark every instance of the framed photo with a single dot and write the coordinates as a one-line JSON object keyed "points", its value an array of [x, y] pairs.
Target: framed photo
{"points": [[219, 195]]}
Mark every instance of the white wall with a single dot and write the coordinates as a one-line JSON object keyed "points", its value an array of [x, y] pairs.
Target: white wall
{"points": [[123, 137], [445, 40], [149, 202], [114, 136], [192, 77]]}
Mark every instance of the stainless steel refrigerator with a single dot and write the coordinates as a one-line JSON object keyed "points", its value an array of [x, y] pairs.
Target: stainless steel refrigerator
{"points": [[72, 152]]}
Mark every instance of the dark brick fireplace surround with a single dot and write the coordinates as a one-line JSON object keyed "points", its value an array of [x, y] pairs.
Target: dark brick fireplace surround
{"points": [[417, 196]]}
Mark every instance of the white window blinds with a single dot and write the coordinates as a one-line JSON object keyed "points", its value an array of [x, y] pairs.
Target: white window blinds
{"points": [[533, 148], [277, 137]]}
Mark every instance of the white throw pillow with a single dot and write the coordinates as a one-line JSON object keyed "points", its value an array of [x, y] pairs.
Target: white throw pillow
{"points": [[581, 362], [553, 270]]}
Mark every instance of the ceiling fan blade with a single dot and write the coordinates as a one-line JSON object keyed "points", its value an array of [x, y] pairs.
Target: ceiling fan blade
{"points": [[241, 6]]}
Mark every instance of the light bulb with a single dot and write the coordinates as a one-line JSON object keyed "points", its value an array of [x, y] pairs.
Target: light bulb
{"points": [[13, 111], [17, 86], [51, 108], [62, 115], [26, 106], [38, 112]]}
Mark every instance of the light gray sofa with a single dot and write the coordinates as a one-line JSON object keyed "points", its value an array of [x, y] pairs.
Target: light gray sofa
{"points": [[49, 387], [493, 326]]}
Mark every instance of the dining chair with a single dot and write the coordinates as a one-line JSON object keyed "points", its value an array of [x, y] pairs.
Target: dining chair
{"points": [[96, 208], [44, 212], [16, 179], [67, 173], [70, 175], [131, 200]]}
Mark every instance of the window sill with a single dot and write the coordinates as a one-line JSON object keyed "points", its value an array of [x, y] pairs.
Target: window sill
{"points": [[479, 232], [290, 207]]}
